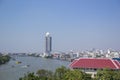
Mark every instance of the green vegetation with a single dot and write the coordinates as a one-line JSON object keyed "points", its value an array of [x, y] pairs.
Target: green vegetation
{"points": [[64, 73], [107, 74], [61, 73], [4, 59]]}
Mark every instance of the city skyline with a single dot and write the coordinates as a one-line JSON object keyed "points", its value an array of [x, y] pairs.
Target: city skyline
{"points": [[75, 25]]}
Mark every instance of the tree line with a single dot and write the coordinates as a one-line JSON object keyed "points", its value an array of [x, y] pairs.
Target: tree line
{"points": [[63, 73], [4, 59]]}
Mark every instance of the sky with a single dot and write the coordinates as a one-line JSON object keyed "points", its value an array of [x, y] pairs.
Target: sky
{"points": [[73, 24]]}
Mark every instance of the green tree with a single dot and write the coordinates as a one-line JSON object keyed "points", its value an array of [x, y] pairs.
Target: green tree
{"points": [[30, 76], [107, 74], [116, 75], [77, 75], [74, 75], [45, 74], [60, 73], [4, 59]]}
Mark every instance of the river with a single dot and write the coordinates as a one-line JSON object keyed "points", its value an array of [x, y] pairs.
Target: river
{"points": [[13, 71]]}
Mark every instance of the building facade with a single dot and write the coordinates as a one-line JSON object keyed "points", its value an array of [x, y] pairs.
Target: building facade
{"points": [[91, 65], [48, 44]]}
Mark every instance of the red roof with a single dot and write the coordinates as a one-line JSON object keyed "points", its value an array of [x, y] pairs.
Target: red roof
{"points": [[95, 63]]}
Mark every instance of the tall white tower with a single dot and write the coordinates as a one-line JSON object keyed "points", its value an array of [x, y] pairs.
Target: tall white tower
{"points": [[48, 44]]}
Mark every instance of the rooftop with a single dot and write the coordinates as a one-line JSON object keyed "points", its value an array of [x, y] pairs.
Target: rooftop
{"points": [[96, 63]]}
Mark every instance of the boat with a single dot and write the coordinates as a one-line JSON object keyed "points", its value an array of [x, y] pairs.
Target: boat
{"points": [[18, 62], [25, 66]]}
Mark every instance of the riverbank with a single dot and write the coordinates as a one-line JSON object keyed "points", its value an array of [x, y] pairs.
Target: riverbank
{"points": [[4, 59]]}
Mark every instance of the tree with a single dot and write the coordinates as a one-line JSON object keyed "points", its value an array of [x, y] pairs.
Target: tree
{"points": [[116, 75], [45, 74], [107, 74], [29, 76], [74, 75], [77, 75], [4, 59], [60, 73]]}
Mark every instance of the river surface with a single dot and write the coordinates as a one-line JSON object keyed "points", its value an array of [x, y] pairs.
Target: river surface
{"points": [[13, 71]]}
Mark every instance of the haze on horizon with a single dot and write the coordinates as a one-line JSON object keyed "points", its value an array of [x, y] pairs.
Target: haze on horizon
{"points": [[73, 24]]}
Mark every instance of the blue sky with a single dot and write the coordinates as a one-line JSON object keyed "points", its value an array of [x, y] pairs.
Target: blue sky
{"points": [[73, 24]]}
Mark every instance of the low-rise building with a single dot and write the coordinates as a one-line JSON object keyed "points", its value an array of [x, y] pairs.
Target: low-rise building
{"points": [[91, 65]]}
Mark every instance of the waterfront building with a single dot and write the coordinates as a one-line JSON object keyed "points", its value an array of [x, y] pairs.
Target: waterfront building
{"points": [[91, 65], [48, 44]]}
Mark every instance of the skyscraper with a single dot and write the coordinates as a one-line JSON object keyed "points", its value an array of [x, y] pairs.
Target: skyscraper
{"points": [[48, 44]]}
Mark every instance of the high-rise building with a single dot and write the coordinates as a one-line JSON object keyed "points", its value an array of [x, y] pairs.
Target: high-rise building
{"points": [[48, 44]]}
